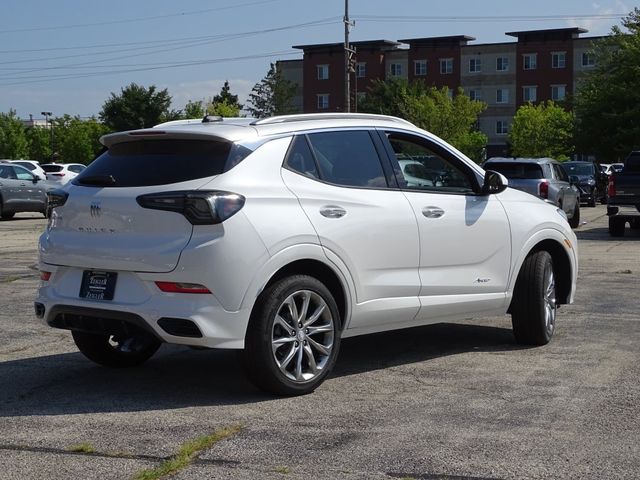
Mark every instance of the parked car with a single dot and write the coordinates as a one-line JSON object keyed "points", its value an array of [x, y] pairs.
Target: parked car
{"points": [[624, 196], [20, 191], [61, 173], [283, 235], [542, 177], [33, 166], [589, 179]]}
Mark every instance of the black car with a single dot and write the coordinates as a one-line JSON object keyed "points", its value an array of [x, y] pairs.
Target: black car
{"points": [[589, 179]]}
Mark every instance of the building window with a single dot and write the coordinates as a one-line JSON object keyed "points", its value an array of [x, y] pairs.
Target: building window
{"points": [[530, 94], [502, 95], [446, 65], [558, 59], [502, 127], [475, 65], [323, 101], [420, 68], [361, 69], [502, 64], [588, 59], [475, 94], [530, 61], [323, 72], [396, 69], [558, 92]]}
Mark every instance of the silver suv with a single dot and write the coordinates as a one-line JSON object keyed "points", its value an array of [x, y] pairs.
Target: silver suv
{"points": [[542, 177]]}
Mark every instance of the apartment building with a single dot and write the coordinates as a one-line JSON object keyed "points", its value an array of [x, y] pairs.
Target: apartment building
{"points": [[539, 65]]}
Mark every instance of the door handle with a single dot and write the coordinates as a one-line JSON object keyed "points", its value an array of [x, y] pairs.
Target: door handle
{"points": [[332, 211], [432, 212]]}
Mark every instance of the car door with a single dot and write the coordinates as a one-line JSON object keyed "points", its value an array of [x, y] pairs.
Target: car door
{"points": [[32, 196], [10, 188], [362, 220], [567, 194], [465, 239]]}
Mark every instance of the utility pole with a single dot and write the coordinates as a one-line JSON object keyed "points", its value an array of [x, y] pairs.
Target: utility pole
{"points": [[50, 125], [348, 58]]}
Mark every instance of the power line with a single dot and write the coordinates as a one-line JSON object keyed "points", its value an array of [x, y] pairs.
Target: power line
{"points": [[137, 19], [486, 18], [50, 78]]}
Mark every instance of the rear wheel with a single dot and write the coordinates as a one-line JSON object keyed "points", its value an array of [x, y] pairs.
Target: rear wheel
{"points": [[293, 337], [574, 221], [116, 351], [616, 227], [534, 306], [594, 197]]}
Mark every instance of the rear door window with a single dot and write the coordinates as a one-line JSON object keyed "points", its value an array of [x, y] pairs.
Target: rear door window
{"points": [[162, 162], [348, 158]]}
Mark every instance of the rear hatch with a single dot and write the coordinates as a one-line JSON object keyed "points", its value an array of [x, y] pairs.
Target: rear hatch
{"points": [[102, 226]]}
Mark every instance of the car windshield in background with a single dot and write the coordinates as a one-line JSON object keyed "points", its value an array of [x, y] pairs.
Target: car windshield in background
{"points": [[52, 168], [578, 168], [160, 162], [516, 170]]}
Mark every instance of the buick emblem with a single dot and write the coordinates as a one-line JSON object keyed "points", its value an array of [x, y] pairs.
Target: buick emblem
{"points": [[95, 209]]}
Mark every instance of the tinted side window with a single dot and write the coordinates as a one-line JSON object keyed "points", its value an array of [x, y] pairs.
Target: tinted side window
{"points": [[560, 173], [76, 168], [348, 158], [6, 171], [423, 167], [300, 159], [516, 170]]}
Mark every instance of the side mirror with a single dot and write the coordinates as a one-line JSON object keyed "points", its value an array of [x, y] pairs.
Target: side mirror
{"points": [[494, 182], [35, 179]]}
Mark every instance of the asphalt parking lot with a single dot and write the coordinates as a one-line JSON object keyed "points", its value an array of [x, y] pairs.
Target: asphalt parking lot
{"points": [[445, 401]]}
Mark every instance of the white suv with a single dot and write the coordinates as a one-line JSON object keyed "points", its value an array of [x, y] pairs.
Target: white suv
{"points": [[281, 236]]}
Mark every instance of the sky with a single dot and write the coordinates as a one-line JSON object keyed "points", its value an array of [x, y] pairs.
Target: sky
{"points": [[67, 57]]}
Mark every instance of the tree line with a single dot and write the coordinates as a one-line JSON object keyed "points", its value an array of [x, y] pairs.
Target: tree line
{"points": [[601, 118]]}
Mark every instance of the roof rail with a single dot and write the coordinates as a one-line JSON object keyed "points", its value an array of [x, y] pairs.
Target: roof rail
{"points": [[328, 116], [214, 119]]}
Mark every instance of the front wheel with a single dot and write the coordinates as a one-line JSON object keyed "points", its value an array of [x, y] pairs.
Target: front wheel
{"points": [[293, 337], [594, 198], [534, 307], [116, 351], [616, 226]]}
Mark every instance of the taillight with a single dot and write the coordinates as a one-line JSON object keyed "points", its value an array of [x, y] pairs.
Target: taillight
{"points": [[199, 207], [178, 287], [544, 189], [612, 185], [45, 276], [56, 198]]}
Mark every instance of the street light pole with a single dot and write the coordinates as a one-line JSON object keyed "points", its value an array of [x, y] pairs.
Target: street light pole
{"points": [[50, 125]]}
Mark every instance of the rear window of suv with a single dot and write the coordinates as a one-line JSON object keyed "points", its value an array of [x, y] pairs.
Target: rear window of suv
{"points": [[52, 168], [161, 162], [516, 170]]}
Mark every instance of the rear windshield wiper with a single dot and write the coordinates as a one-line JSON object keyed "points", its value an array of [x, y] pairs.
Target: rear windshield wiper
{"points": [[97, 180]]}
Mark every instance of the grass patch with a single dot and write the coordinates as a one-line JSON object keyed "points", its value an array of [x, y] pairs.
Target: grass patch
{"points": [[187, 454], [9, 279], [82, 448], [283, 470]]}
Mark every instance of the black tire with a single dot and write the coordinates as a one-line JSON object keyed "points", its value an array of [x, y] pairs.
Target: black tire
{"points": [[635, 224], [116, 352], [594, 198], [574, 221], [605, 198], [288, 368], [616, 227], [533, 308]]}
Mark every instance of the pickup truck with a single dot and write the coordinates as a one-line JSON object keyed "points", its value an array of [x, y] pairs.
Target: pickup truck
{"points": [[623, 205]]}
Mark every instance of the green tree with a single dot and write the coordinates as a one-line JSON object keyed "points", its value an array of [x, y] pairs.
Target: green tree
{"points": [[193, 110], [273, 95], [39, 140], [451, 117], [13, 139], [225, 96], [137, 107], [607, 100], [77, 140], [223, 108], [543, 130]]}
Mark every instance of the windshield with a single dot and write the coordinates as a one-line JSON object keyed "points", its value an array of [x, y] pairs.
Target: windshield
{"points": [[578, 168], [516, 170]]}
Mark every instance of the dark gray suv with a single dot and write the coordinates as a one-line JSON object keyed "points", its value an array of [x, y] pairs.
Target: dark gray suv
{"points": [[542, 177], [20, 191]]}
